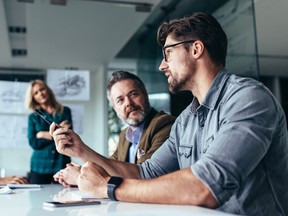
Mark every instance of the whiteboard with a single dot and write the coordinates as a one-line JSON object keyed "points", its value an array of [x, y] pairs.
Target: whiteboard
{"points": [[14, 131]]}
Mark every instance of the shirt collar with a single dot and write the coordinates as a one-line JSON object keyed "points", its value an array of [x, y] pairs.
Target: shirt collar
{"points": [[133, 136], [213, 92]]}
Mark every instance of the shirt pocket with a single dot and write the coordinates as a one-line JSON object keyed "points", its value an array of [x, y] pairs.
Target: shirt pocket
{"points": [[207, 143], [185, 153]]}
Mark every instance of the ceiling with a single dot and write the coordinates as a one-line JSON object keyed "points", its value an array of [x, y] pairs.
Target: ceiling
{"points": [[86, 34], [80, 34]]}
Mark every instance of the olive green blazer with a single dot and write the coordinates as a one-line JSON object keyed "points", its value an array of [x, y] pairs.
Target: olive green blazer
{"points": [[156, 130]]}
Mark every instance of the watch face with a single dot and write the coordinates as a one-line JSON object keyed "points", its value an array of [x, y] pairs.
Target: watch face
{"points": [[114, 180]]}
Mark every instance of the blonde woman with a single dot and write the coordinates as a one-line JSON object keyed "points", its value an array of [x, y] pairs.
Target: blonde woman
{"points": [[45, 160]]}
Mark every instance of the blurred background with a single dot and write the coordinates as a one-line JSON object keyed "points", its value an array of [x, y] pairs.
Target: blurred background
{"points": [[75, 45]]}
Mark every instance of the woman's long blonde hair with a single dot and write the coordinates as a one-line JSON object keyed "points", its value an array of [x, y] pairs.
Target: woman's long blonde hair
{"points": [[30, 103]]}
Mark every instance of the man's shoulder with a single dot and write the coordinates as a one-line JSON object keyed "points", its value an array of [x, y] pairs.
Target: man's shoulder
{"points": [[162, 118], [161, 115]]}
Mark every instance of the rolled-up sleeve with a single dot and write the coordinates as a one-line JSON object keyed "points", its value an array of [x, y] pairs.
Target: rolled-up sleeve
{"points": [[245, 132]]}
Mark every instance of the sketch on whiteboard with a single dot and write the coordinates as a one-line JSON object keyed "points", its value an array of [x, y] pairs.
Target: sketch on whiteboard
{"points": [[14, 134], [12, 97], [69, 85]]}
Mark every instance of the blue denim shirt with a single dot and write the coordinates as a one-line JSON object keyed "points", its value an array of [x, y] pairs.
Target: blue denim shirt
{"points": [[236, 143]]}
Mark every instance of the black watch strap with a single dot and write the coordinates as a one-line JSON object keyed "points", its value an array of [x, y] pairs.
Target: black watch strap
{"points": [[112, 184]]}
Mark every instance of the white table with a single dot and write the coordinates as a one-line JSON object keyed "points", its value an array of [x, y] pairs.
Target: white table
{"points": [[29, 202]]}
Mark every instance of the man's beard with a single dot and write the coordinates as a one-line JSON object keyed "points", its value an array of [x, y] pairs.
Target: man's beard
{"points": [[177, 83], [141, 116], [135, 122], [176, 86]]}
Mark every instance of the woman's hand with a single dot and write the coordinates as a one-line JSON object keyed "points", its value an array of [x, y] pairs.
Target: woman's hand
{"points": [[13, 180], [44, 135]]}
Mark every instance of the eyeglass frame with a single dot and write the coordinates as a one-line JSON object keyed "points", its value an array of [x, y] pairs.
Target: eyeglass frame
{"points": [[173, 45]]}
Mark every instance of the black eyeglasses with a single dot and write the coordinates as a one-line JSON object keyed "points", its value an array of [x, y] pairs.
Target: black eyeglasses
{"points": [[166, 54]]}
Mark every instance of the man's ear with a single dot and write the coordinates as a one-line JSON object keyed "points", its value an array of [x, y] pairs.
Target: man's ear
{"points": [[198, 49]]}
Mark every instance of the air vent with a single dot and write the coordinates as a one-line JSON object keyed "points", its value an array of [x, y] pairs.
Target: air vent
{"points": [[17, 35]]}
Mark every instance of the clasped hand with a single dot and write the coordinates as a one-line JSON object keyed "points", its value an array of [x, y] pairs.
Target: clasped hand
{"points": [[90, 178], [93, 180]]}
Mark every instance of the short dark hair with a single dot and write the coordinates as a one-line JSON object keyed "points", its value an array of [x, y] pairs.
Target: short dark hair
{"points": [[120, 75], [199, 26]]}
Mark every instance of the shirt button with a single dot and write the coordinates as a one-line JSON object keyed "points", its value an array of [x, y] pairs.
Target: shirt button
{"points": [[53, 152]]}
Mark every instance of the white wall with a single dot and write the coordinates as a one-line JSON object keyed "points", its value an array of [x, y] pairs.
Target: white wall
{"points": [[95, 122]]}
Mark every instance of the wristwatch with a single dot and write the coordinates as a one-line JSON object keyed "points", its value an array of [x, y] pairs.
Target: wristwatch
{"points": [[112, 184]]}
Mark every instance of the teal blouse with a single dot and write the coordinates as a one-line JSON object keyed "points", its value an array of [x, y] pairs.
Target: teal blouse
{"points": [[45, 158]]}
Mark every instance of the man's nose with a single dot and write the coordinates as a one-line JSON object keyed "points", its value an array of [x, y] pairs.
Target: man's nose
{"points": [[163, 65], [128, 101]]}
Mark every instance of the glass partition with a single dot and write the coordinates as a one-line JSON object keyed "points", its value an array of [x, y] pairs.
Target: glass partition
{"points": [[238, 21]]}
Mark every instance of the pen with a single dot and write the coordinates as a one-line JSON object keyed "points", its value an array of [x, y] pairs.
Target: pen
{"points": [[38, 112]]}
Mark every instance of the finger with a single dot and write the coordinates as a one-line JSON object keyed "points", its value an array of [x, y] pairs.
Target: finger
{"points": [[59, 130], [63, 138], [64, 123], [56, 178], [24, 181], [85, 166], [61, 181], [52, 128], [75, 164], [80, 178], [56, 175], [20, 180], [62, 143], [69, 164]]}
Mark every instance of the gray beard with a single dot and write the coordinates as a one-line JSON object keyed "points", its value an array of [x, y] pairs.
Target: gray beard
{"points": [[138, 121]]}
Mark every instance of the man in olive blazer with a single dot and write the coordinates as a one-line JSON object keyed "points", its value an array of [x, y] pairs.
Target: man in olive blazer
{"points": [[147, 128], [156, 130]]}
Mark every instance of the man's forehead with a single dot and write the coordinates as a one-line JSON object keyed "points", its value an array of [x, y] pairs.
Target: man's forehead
{"points": [[124, 87], [169, 40]]}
